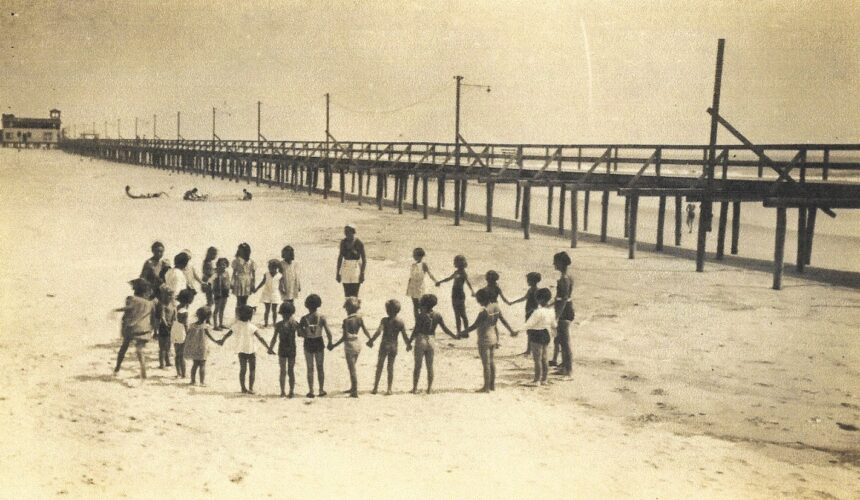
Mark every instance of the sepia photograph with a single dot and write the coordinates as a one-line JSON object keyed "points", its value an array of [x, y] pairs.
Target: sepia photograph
{"points": [[477, 249]]}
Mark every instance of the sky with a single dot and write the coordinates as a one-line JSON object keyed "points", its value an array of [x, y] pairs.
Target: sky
{"points": [[559, 72]]}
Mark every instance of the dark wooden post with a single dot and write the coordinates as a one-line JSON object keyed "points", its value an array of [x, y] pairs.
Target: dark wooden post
{"points": [[440, 192], [721, 230], [401, 186], [661, 222], [517, 202], [634, 211], [779, 248], [352, 183], [414, 192], [810, 232], [736, 226], [626, 216], [574, 218], [561, 203], [379, 191], [342, 185], [585, 202], [463, 190], [360, 186], [526, 209], [604, 215], [489, 213], [424, 195], [457, 201], [678, 220], [549, 205], [326, 182], [801, 239]]}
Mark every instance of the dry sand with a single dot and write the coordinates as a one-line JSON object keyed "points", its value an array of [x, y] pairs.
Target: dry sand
{"points": [[685, 384]]}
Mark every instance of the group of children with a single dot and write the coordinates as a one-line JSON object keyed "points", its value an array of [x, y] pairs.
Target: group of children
{"points": [[163, 296]]}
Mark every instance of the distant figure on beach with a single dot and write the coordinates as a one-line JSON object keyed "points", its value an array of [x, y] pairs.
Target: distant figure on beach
{"points": [[351, 262], [143, 196], [691, 216], [246, 196], [193, 195]]}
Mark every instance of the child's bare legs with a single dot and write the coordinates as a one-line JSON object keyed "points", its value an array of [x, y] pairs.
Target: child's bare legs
{"points": [[380, 360], [543, 364], [320, 358], [274, 309], [415, 308], [247, 362], [309, 359], [492, 358], [391, 357], [126, 341], [220, 306], [287, 367], [555, 350], [462, 321], [198, 365], [416, 373], [141, 356], [179, 360], [429, 356], [274, 314], [351, 359], [485, 363], [241, 300]]}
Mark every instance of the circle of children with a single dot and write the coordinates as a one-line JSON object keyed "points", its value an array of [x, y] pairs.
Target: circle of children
{"points": [[163, 294]]}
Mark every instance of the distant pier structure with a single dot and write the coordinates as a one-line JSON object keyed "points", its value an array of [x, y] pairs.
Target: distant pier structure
{"points": [[31, 132], [808, 178]]}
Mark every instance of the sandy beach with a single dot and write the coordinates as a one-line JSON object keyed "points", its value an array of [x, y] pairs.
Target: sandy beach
{"points": [[706, 385]]}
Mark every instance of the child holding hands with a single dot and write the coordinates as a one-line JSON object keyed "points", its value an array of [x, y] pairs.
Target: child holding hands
{"points": [[351, 344], [196, 348], [389, 327], [488, 337], [423, 336], [311, 328], [246, 334], [285, 335]]}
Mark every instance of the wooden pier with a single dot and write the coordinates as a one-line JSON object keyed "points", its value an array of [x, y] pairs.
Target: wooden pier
{"points": [[806, 177]]}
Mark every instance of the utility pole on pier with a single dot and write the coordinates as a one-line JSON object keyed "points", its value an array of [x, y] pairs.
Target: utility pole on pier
{"points": [[459, 80], [106, 134], [213, 123], [178, 134], [706, 210], [154, 126], [118, 134], [135, 128], [259, 104]]}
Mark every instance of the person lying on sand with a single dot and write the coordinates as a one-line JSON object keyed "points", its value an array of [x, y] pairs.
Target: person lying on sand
{"points": [[144, 196], [193, 195]]}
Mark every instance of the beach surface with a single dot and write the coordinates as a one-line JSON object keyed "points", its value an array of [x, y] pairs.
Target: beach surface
{"points": [[706, 385]]}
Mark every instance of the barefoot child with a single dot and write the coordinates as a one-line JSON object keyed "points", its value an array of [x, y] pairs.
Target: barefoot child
{"points": [[311, 328], [246, 347], [564, 311], [290, 285], [285, 335], [208, 271], [415, 287], [138, 322], [488, 337], [244, 275], [539, 326], [531, 301], [458, 296], [271, 297], [165, 310], [351, 344], [178, 332], [389, 327], [220, 282], [493, 289], [422, 338], [196, 348]]}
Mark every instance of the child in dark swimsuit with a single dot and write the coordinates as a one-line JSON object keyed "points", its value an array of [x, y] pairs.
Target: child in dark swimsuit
{"points": [[531, 301], [311, 328], [285, 335], [493, 289], [422, 338], [351, 344], [458, 296], [389, 327]]}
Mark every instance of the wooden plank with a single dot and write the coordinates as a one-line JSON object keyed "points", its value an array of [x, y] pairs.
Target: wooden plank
{"points": [[779, 248], [794, 202]]}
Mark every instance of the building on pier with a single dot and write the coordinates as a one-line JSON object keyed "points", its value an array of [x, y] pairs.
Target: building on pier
{"points": [[31, 132]]}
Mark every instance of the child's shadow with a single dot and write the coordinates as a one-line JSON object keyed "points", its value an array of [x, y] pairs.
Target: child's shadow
{"points": [[103, 378]]}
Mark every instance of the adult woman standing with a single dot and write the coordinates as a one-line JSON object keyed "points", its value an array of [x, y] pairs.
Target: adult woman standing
{"points": [[564, 310], [351, 262]]}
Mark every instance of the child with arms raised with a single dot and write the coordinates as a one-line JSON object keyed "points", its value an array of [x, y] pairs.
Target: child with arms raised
{"points": [[458, 296], [389, 327]]}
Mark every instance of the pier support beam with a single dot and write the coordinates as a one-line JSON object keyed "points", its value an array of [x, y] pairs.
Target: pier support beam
{"points": [[561, 201], [526, 209], [342, 185], [800, 263], [586, 201], [489, 214], [457, 201], [424, 194], [779, 248], [574, 218], [736, 226], [360, 187], [626, 216], [661, 222], [517, 202], [721, 230], [549, 196], [633, 212], [440, 192], [810, 233], [604, 215]]}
